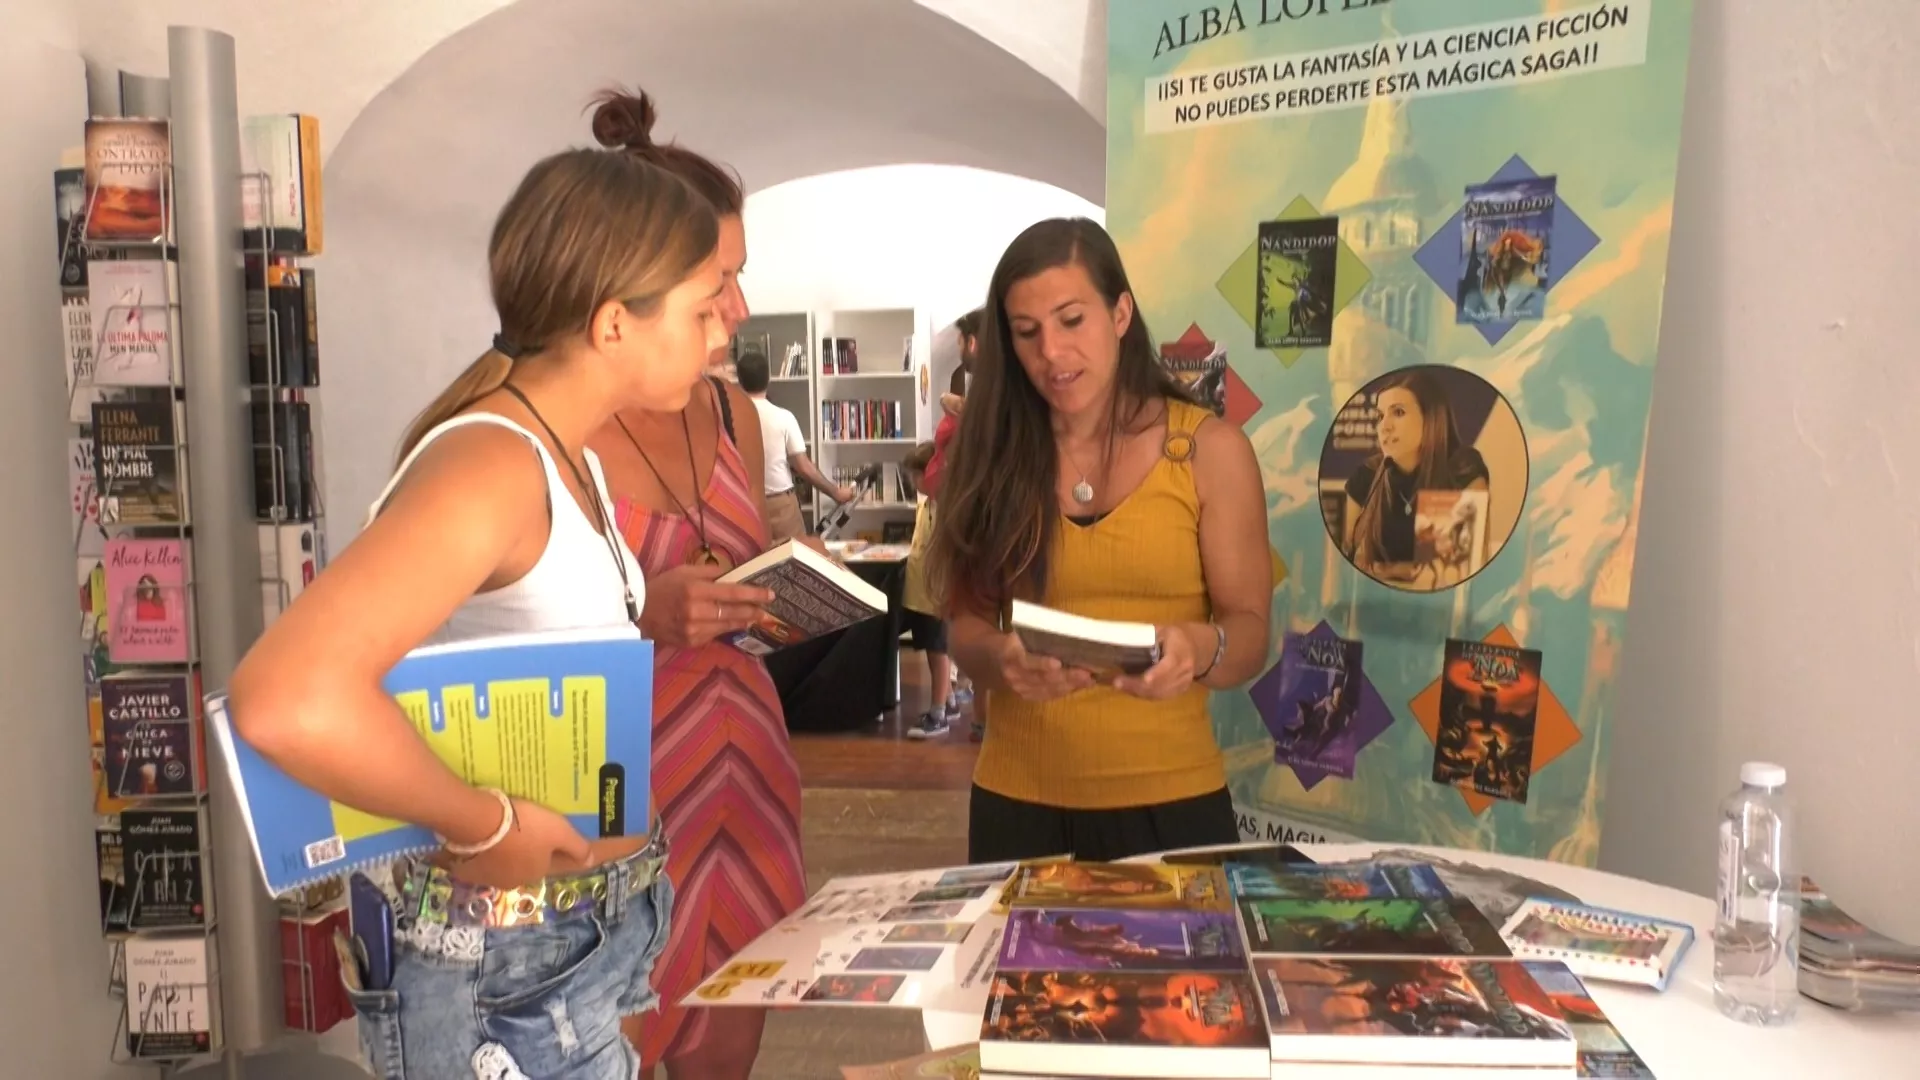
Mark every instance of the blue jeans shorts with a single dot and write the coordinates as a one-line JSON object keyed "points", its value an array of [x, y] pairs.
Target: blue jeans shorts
{"points": [[541, 1001]]}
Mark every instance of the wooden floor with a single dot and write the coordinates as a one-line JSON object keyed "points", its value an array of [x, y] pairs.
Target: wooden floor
{"points": [[880, 756]]}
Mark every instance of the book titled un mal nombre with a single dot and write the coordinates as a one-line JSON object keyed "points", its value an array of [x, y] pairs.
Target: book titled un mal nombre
{"points": [[812, 596], [561, 718]]}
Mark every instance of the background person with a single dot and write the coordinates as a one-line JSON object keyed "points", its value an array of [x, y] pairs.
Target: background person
{"points": [[496, 521], [784, 453], [687, 490], [924, 619], [1084, 479]]}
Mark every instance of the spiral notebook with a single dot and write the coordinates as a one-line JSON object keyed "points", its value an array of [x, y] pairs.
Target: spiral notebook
{"points": [[1598, 943], [563, 719]]}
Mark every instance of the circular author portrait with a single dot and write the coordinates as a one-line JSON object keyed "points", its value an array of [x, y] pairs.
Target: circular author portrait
{"points": [[1422, 477]]}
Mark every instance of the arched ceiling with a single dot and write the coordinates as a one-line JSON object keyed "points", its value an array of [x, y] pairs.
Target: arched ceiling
{"points": [[330, 59]]}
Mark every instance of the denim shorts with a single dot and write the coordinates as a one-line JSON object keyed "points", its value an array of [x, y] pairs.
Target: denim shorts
{"points": [[535, 1002]]}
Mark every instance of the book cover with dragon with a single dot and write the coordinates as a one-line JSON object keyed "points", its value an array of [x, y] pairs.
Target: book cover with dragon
{"points": [[1489, 702], [1081, 1022], [1357, 881], [1396, 926], [1119, 885]]}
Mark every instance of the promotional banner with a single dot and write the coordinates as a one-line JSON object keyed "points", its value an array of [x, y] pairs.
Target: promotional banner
{"points": [[1416, 250]]}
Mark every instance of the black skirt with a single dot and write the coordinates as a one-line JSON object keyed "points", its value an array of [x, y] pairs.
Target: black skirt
{"points": [[1000, 829]]}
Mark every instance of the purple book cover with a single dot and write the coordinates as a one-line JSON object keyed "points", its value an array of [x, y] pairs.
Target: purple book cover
{"points": [[1057, 939], [1312, 718]]}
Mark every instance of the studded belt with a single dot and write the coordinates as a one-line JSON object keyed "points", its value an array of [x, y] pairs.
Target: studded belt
{"points": [[423, 893]]}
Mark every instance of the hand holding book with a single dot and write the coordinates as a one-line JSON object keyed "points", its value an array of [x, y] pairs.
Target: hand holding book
{"points": [[1038, 678], [687, 606], [1172, 674]]}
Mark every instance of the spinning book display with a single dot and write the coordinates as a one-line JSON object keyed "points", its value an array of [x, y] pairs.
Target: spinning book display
{"points": [[1417, 252]]}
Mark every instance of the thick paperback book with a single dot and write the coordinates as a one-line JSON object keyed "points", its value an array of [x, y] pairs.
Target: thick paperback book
{"points": [[812, 596], [563, 719]]}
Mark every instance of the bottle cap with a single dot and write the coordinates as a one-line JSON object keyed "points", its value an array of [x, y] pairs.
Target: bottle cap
{"points": [[1762, 774]]}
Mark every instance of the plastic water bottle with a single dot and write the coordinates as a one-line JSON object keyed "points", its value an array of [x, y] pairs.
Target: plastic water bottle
{"points": [[1756, 937]]}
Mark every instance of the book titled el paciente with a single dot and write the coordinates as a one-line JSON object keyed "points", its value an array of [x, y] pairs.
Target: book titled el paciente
{"points": [[562, 718]]}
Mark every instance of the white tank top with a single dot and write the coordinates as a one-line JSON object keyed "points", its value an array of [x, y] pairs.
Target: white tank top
{"points": [[574, 584]]}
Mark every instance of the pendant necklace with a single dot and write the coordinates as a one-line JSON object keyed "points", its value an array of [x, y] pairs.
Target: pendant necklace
{"points": [[705, 556], [1083, 491], [603, 523]]}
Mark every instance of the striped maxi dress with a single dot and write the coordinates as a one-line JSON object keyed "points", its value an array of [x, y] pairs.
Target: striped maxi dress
{"points": [[724, 776]]}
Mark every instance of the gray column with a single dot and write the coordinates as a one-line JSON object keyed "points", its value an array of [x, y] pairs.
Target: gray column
{"points": [[144, 95], [226, 553]]}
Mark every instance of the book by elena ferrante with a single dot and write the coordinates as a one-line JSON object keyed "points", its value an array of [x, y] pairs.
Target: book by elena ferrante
{"points": [[1506, 250], [1124, 1024], [1071, 884], [1386, 926], [561, 718], [812, 595], [1411, 1011], [140, 462], [129, 171], [1104, 647], [1082, 939], [1489, 701], [1294, 289]]}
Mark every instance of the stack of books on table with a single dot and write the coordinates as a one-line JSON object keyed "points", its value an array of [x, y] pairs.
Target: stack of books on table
{"points": [[1849, 966], [1350, 972]]}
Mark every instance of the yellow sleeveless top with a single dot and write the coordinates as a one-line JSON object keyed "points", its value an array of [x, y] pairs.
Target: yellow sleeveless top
{"points": [[1101, 749]]}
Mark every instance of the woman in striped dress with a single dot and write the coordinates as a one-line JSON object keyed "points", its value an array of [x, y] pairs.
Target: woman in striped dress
{"points": [[687, 491]]}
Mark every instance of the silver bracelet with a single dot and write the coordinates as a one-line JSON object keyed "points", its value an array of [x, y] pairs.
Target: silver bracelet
{"points": [[468, 851], [1219, 650]]}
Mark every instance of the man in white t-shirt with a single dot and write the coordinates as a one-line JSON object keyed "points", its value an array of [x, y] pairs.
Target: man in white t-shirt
{"points": [[786, 450]]}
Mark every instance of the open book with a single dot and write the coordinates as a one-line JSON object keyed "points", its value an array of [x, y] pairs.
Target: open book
{"points": [[813, 595], [563, 719], [1097, 645]]}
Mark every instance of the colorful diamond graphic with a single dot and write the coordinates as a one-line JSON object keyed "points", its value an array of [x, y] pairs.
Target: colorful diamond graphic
{"points": [[1279, 709], [1194, 357], [1554, 732], [1237, 285], [1242, 403], [1573, 241]]}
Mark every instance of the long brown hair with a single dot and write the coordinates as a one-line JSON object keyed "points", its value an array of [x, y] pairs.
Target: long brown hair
{"points": [[998, 510], [1439, 443], [624, 120], [583, 229]]}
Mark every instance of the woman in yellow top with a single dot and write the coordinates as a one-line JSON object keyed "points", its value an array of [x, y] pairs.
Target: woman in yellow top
{"points": [[1085, 479]]}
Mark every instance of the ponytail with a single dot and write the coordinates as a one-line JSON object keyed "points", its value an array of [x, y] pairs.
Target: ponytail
{"points": [[481, 378]]}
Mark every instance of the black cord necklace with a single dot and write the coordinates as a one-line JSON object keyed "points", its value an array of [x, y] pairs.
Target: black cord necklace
{"points": [[603, 523], [705, 555]]}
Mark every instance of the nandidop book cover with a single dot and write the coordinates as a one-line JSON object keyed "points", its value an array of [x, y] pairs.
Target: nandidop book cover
{"points": [[1314, 702], [1360, 881], [1489, 701], [1395, 926], [1294, 288], [1506, 248], [1118, 885], [1052, 939], [1415, 998], [563, 719]]}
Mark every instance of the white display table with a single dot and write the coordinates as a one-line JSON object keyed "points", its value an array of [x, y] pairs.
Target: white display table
{"points": [[1679, 1033]]}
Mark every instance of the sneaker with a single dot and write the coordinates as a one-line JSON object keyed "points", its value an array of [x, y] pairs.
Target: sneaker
{"points": [[932, 725], [953, 709]]}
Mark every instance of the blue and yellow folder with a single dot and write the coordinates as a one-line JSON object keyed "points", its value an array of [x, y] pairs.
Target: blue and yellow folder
{"points": [[563, 719]]}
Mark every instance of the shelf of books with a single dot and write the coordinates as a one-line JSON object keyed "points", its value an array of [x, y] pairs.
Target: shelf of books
{"points": [[133, 518]]}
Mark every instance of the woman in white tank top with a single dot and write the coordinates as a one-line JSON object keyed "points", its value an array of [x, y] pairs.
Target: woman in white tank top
{"points": [[520, 946]]}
